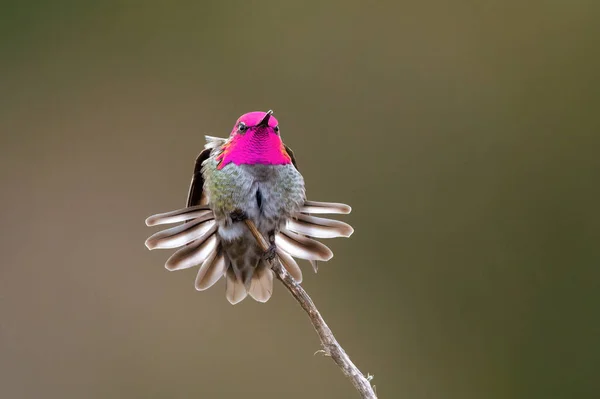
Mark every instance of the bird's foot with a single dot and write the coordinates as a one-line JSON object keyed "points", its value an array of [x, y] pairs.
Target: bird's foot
{"points": [[271, 252], [238, 216]]}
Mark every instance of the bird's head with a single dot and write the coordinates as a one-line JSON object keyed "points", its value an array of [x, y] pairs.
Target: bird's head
{"points": [[255, 140]]}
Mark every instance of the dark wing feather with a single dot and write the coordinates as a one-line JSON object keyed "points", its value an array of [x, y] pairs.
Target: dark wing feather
{"points": [[291, 154], [196, 192]]}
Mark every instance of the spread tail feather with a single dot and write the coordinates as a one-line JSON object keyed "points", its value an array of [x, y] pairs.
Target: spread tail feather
{"points": [[302, 247], [290, 265], [194, 254], [180, 215], [200, 246], [325, 207], [182, 234], [212, 270], [235, 290], [316, 227], [261, 285]]}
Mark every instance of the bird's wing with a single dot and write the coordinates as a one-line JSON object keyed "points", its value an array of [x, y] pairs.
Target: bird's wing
{"points": [[291, 154], [196, 194]]}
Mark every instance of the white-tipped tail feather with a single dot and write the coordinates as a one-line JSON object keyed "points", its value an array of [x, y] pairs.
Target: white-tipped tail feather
{"points": [[302, 247], [235, 290], [182, 234], [290, 265], [325, 207], [211, 270], [194, 254], [180, 215], [313, 226], [261, 286]]}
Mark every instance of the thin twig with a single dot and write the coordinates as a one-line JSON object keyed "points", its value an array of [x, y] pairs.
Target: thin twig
{"points": [[330, 345]]}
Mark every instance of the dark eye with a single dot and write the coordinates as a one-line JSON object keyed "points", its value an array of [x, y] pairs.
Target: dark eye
{"points": [[276, 128], [242, 127]]}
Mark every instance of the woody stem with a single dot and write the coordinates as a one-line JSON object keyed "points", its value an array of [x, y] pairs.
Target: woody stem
{"points": [[330, 345]]}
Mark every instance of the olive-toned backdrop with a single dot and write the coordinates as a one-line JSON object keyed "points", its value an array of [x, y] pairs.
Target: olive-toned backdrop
{"points": [[464, 134]]}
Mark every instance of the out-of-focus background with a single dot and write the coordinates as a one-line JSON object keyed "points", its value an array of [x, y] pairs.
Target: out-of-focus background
{"points": [[464, 134]]}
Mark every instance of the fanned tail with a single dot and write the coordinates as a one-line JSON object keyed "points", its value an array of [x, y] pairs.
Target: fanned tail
{"points": [[199, 243]]}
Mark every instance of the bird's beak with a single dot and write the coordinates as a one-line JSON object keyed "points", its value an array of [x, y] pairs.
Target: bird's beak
{"points": [[265, 120]]}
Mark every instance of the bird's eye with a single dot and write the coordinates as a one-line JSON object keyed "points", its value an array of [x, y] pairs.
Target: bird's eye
{"points": [[242, 127], [276, 128]]}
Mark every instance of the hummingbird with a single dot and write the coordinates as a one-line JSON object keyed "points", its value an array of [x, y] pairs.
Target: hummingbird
{"points": [[251, 175]]}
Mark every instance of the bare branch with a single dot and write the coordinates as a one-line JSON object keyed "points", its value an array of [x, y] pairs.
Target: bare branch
{"points": [[330, 345]]}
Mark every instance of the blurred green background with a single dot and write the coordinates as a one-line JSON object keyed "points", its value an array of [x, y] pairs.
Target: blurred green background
{"points": [[464, 134]]}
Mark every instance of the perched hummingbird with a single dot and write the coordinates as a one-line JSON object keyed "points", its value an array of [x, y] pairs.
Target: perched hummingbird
{"points": [[251, 175]]}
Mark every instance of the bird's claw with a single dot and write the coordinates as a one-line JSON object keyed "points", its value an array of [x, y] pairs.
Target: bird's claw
{"points": [[271, 252]]}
